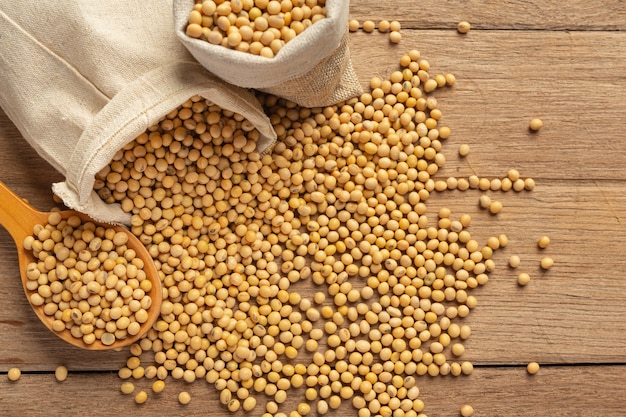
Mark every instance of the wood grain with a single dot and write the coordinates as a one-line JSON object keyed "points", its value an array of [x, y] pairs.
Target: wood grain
{"points": [[559, 391], [561, 61], [506, 78], [491, 14], [564, 316]]}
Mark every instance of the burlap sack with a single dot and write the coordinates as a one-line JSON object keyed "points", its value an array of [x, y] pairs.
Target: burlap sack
{"points": [[313, 69], [81, 79]]}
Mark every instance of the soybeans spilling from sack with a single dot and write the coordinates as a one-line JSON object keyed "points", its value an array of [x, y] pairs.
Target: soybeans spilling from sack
{"points": [[310, 273]]}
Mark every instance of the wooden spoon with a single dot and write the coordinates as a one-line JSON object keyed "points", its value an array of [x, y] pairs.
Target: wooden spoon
{"points": [[19, 218]]}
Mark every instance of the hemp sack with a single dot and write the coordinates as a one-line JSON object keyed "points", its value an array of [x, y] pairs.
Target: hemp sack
{"points": [[81, 79], [313, 69]]}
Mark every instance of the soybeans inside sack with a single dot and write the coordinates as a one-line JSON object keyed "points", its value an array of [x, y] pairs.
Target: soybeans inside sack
{"points": [[258, 27], [297, 50]]}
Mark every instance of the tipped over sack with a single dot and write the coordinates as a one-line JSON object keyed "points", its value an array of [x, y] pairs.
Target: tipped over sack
{"points": [[81, 79], [313, 69]]}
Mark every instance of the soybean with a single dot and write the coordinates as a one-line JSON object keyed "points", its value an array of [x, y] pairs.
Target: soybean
{"points": [[523, 279], [141, 397], [514, 261], [60, 373], [535, 124], [546, 263], [368, 26], [467, 410], [184, 397], [532, 368], [543, 242], [14, 374], [463, 27]]}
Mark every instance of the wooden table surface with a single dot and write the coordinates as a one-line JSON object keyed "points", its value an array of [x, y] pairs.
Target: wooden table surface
{"points": [[561, 61]]}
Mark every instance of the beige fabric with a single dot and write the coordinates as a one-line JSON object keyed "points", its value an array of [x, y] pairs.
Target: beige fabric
{"points": [[82, 78], [313, 69]]}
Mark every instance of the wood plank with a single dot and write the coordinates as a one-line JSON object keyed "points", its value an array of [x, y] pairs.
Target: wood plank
{"points": [[488, 15], [498, 91], [506, 78], [555, 391], [23, 170], [565, 315]]}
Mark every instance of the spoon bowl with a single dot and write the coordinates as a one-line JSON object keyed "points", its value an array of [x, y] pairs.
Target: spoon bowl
{"points": [[18, 217]]}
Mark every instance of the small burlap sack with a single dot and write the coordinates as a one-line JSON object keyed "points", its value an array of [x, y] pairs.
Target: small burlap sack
{"points": [[314, 69], [81, 79]]}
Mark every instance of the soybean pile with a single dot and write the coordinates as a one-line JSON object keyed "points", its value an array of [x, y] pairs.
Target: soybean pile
{"points": [[309, 276], [88, 280]]}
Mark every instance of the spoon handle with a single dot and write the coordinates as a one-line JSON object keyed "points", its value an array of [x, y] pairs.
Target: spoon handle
{"points": [[16, 215]]}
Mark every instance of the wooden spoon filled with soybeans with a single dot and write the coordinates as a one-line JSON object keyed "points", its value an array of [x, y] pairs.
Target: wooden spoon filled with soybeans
{"points": [[94, 285]]}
